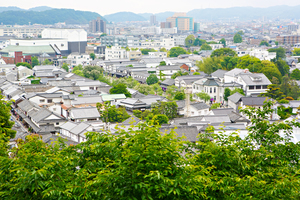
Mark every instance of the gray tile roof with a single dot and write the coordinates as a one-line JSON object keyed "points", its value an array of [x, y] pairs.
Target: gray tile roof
{"points": [[190, 132], [219, 73], [26, 105], [222, 111], [87, 100], [132, 120], [68, 125], [253, 101], [236, 97], [80, 128], [84, 113], [234, 72], [199, 106], [169, 67], [212, 82]]}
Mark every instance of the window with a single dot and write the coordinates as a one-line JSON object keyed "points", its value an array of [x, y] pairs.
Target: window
{"points": [[57, 123], [214, 89], [251, 87], [258, 87], [194, 87], [49, 100], [42, 100], [265, 87], [91, 88], [210, 90]]}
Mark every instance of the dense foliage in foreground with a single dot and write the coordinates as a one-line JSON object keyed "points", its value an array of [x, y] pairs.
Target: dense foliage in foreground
{"points": [[143, 163]]}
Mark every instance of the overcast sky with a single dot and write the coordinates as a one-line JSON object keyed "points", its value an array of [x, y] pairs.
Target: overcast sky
{"points": [[104, 7]]}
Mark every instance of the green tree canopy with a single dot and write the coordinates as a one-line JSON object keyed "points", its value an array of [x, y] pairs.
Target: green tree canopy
{"points": [[204, 96], [25, 64], [199, 42], [5, 122], [239, 90], [163, 50], [237, 38], [160, 119], [34, 61], [179, 73], [179, 95], [176, 51], [226, 94], [92, 55], [205, 47], [295, 74], [111, 113], [223, 52], [92, 72], [280, 52], [283, 67], [120, 88], [65, 67], [189, 40], [166, 108], [296, 52], [223, 41], [209, 65], [264, 43], [152, 79], [47, 62], [146, 51], [162, 63]]}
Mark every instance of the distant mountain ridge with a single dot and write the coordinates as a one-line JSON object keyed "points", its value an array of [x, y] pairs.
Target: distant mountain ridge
{"points": [[124, 16], [52, 16], [14, 8]]}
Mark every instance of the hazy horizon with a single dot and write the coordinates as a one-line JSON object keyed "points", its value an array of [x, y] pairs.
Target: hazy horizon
{"points": [[137, 6]]}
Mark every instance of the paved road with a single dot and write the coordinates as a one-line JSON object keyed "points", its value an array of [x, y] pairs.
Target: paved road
{"points": [[19, 125]]}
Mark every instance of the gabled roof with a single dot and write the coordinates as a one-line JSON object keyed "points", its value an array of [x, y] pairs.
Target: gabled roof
{"points": [[222, 111], [200, 106], [112, 97], [84, 113], [212, 82], [219, 73], [190, 132], [236, 97], [234, 72], [253, 101], [248, 79], [68, 125], [79, 128]]}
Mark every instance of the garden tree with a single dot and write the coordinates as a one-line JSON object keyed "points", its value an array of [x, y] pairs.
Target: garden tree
{"points": [[92, 55], [160, 119], [157, 89], [144, 89], [240, 32], [212, 42], [78, 70], [189, 40], [152, 79], [162, 63], [171, 91], [226, 94], [176, 51], [285, 85], [209, 65], [179, 73], [199, 42], [282, 66], [295, 75], [274, 92], [223, 41], [47, 62], [275, 81], [161, 75], [121, 88], [65, 67], [92, 72], [163, 50], [270, 70], [105, 79], [127, 48], [249, 62], [34, 61], [223, 52], [294, 90], [204, 96], [237, 38], [196, 73], [111, 113], [179, 96], [280, 52], [25, 64], [215, 106], [142, 162], [5, 122], [195, 52], [205, 47], [235, 90], [146, 51], [264, 43], [296, 52], [103, 34], [166, 108], [229, 63]]}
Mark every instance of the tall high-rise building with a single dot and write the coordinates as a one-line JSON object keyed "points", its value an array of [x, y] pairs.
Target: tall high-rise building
{"points": [[196, 27], [153, 20], [166, 25], [97, 25], [182, 22]]}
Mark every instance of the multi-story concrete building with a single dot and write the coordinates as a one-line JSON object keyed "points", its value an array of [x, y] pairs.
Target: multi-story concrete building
{"points": [[82, 59], [97, 25], [21, 31], [182, 22], [153, 20], [114, 41], [115, 52], [288, 39], [166, 25]]}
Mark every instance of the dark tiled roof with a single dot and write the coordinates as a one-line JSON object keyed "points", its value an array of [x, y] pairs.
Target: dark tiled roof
{"points": [[253, 101], [236, 97]]}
